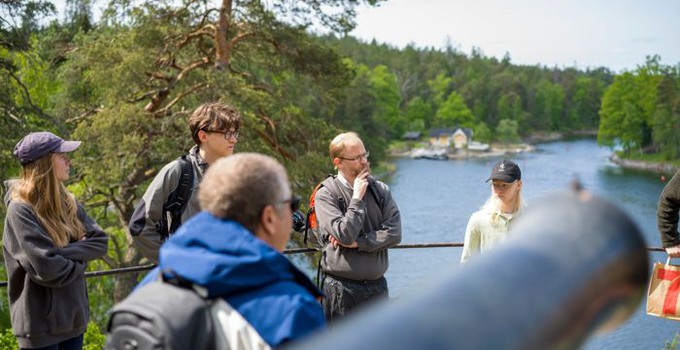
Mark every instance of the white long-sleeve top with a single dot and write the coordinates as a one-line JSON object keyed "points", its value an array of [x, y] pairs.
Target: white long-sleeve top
{"points": [[485, 230]]}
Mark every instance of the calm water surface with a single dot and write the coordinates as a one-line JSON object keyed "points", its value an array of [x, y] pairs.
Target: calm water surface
{"points": [[436, 199]]}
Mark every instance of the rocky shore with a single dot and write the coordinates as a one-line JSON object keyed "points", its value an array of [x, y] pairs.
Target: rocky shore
{"points": [[494, 151], [661, 168]]}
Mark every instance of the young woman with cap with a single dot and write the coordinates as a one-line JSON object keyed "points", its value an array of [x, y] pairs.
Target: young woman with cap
{"points": [[489, 226], [48, 239]]}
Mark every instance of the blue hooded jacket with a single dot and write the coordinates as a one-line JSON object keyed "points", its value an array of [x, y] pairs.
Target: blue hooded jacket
{"points": [[276, 298]]}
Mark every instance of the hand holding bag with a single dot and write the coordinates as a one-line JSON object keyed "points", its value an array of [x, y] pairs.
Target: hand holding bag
{"points": [[663, 292]]}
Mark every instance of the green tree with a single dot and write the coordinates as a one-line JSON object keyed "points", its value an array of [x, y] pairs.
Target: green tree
{"points": [[384, 88], [506, 131], [619, 111], [549, 106], [440, 88], [418, 114], [453, 112], [482, 133], [666, 118], [130, 86]]}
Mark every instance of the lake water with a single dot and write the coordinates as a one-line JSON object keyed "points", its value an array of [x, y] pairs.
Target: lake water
{"points": [[436, 199]]}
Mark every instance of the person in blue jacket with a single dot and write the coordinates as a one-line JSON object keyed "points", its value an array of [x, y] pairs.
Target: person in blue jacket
{"points": [[233, 248]]}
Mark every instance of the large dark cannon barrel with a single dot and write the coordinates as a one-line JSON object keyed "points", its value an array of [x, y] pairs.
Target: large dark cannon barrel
{"points": [[573, 264]]}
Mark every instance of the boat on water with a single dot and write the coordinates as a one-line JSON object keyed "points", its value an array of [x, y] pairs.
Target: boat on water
{"points": [[478, 146], [435, 154]]}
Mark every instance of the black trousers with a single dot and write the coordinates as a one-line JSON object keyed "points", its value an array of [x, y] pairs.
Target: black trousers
{"points": [[344, 296]]}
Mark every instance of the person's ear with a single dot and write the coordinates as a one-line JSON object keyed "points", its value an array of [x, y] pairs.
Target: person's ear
{"points": [[202, 135], [336, 162], [268, 221]]}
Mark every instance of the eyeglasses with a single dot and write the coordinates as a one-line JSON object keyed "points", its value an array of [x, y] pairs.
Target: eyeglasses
{"points": [[227, 134], [294, 202], [358, 158]]}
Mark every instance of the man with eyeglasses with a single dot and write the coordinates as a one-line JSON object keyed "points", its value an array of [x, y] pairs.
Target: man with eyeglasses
{"points": [[489, 226], [214, 128], [355, 231], [232, 252]]}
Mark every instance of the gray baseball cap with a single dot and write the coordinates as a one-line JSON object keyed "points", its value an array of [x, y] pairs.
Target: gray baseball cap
{"points": [[38, 144]]}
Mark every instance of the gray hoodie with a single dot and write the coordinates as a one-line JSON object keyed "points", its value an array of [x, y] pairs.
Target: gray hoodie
{"points": [[47, 291], [143, 229]]}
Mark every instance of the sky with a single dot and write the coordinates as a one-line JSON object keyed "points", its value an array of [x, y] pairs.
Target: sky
{"points": [[617, 34]]}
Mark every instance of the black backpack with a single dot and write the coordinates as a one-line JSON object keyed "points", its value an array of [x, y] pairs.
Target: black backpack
{"points": [[174, 205], [161, 316]]}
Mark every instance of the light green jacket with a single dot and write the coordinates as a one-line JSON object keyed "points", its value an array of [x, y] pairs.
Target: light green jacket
{"points": [[484, 230]]}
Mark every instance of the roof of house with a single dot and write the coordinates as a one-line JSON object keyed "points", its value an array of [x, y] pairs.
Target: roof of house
{"points": [[438, 132], [412, 135]]}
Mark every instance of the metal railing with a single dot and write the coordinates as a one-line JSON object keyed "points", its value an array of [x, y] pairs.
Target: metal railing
{"points": [[139, 268]]}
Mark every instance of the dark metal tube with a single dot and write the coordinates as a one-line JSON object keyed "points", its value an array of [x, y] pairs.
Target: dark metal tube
{"points": [[573, 264]]}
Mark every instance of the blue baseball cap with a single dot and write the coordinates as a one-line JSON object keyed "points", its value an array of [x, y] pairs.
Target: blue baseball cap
{"points": [[38, 144]]}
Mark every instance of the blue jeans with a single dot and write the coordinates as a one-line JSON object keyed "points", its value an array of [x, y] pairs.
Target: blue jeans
{"points": [[69, 344]]}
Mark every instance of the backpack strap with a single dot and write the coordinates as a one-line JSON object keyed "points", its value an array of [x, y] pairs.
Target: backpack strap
{"points": [[178, 199], [379, 196], [330, 182]]}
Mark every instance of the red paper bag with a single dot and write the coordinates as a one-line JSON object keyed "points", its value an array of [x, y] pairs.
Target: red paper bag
{"points": [[663, 292]]}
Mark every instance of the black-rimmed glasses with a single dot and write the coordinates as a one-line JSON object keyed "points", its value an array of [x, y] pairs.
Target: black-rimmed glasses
{"points": [[358, 158], [294, 202], [227, 134]]}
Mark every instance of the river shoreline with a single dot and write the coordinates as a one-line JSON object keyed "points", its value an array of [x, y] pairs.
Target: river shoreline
{"points": [[497, 150], [659, 168]]}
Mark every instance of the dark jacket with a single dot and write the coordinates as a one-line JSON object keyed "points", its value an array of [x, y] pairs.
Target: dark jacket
{"points": [[260, 283], [47, 291], [667, 216], [149, 240]]}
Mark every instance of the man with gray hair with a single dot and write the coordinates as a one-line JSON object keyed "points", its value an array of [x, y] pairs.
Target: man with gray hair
{"points": [[232, 251]]}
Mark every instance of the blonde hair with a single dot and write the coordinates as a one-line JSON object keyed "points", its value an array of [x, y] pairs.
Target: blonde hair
{"points": [[493, 204], [53, 205], [340, 142]]}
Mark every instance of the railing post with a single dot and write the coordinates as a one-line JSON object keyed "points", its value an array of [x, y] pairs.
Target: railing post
{"points": [[573, 264]]}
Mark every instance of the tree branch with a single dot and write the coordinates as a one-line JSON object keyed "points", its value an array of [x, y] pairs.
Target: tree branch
{"points": [[165, 110], [27, 95]]}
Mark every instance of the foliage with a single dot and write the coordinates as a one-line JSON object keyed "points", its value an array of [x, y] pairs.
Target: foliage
{"points": [[453, 112], [672, 344], [482, 133], [94, 339], [7, 339], [538, 98], [641, 111], [507, 131]]}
